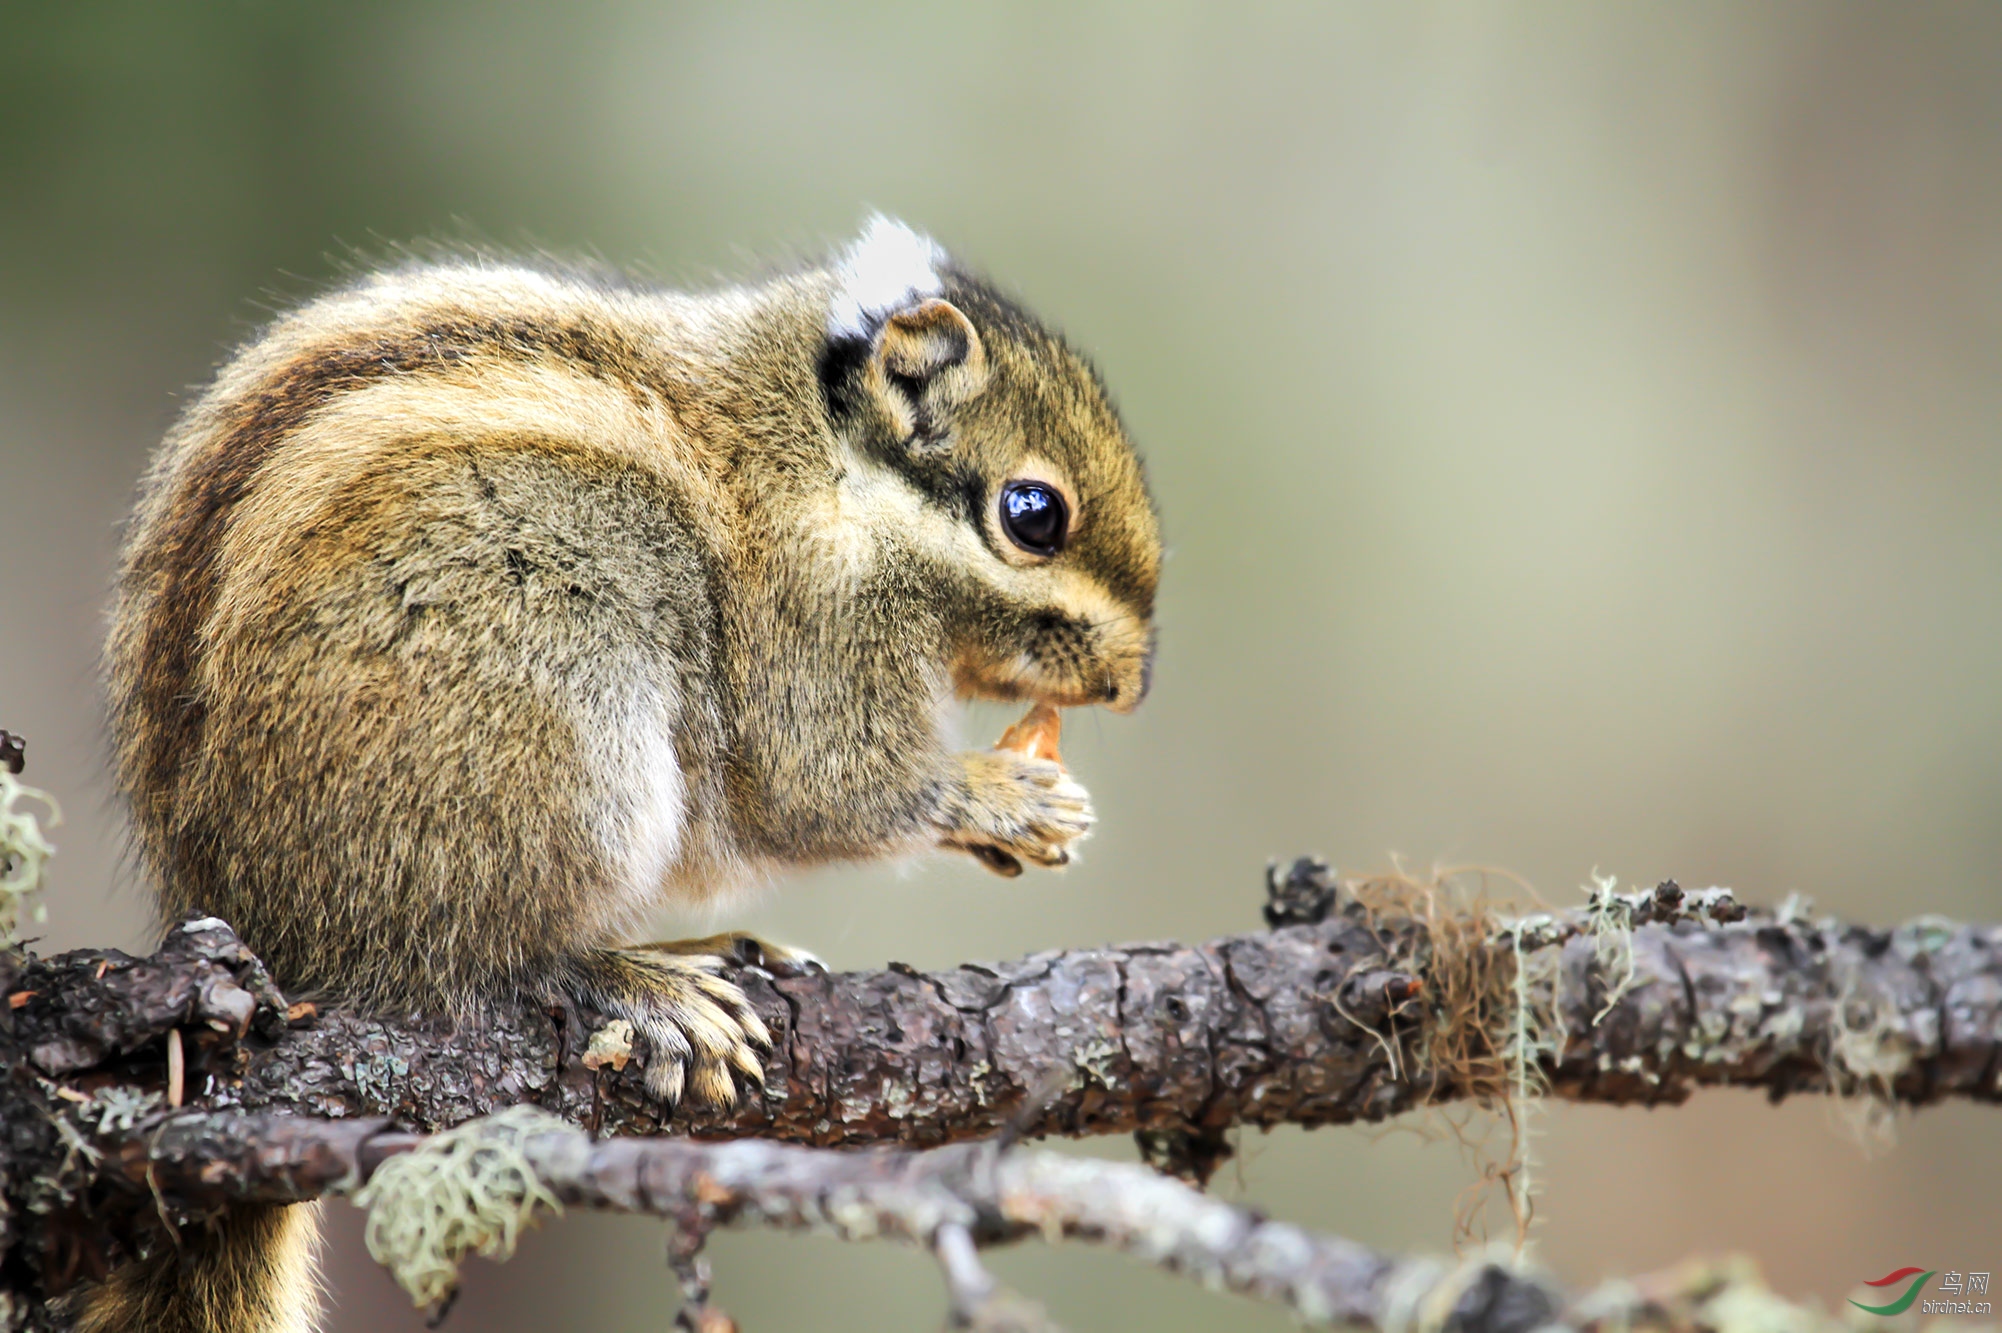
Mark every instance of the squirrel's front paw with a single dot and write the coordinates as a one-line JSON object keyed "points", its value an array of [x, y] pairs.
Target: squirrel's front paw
{"points": [[700, 1031], [1010, 808]]}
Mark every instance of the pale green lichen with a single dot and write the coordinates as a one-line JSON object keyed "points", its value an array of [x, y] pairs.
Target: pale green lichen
{"points": [[1747, 1305], [1795, 909], [77, 1146], [24, 853], [376, 1078], [1868, 1051], [1609, 921], [119, 1110], [1532, 1020], [1869, 1044], [898, 1098], [1724, 1295], [1532, 1026], [1421, 1294], [469, 1190], [1096, 1058], [1784, 1024], [1923, 935]]}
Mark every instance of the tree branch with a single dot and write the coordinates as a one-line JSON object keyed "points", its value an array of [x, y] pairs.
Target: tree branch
{"points": [[953, 1201], [1360, 1004], [1321, 1023]]}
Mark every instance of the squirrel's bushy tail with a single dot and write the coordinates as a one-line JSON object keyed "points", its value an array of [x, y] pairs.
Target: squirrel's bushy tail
{"points": [[251, 1272]]}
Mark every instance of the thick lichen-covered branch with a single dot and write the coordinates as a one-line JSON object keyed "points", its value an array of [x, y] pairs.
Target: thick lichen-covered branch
{"points": [[1362, 1001], [1353, 1017]]}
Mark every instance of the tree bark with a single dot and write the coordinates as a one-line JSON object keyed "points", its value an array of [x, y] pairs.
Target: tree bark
{"points": [[1344, 1011]]}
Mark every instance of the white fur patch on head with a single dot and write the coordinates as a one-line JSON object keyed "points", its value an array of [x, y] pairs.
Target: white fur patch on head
{"points": [[889, 266]]}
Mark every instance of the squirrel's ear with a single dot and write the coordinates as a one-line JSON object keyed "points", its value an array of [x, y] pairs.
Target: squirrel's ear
{"points": [[893, 336], [928, 360]]}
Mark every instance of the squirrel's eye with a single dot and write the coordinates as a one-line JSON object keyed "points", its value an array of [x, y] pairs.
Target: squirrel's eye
{"points": [[1034, 517]]}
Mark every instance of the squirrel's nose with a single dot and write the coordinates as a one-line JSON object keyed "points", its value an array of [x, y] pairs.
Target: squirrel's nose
{"points": [[1124, 698]]}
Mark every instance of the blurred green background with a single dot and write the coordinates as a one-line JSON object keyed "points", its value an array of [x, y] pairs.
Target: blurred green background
{"points": [[1576, 430]]}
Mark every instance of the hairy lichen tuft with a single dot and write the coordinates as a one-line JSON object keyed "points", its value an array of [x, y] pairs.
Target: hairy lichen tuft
{"points": [[469, 1190], [24, 852]]}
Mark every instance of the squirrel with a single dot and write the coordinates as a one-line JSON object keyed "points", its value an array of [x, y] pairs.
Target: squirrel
{"points": [[478, 610]]}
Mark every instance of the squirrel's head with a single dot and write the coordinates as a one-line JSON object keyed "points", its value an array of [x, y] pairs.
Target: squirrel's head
{"points": [[1009, 484]]}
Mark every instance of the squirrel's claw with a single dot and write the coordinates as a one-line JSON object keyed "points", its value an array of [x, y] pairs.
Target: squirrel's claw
{"points": [[700, 1031], [738, 949]]}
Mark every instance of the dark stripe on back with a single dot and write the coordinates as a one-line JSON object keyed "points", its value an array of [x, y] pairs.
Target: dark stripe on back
{"points": [[181, 552]]}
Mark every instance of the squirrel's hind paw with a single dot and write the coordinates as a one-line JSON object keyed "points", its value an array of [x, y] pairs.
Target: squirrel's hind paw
{"points": [[700, 1031]]}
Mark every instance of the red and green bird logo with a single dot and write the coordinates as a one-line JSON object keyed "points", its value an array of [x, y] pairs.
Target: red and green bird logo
{"points": [[1904, 1302]]}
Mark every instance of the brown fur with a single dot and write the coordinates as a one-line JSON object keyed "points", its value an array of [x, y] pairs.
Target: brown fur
{"points": [[251, 1272], [475, 612]]}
